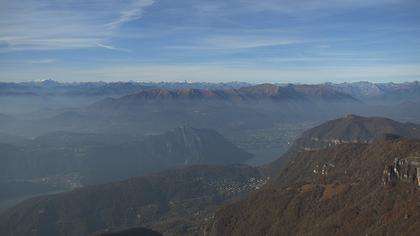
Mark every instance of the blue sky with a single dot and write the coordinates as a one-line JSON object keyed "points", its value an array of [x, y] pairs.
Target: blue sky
{"points": [[305, 41]]}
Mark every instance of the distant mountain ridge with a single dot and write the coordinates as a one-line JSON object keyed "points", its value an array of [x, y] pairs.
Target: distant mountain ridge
{"points": [[364, 91], [380, 92], [52, 87], [249, 93]]}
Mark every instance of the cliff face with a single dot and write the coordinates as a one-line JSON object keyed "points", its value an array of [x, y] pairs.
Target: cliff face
{"points": [[404, 169]]}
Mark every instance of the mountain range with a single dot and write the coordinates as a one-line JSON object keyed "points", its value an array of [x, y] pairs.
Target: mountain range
{"points": [[157, 110], [226, 109], [52, 87], [380, 92], [360, 90], [250, 93]]}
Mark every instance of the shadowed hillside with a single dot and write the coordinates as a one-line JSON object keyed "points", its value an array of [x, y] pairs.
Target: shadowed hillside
{"points": [[174, 202], [62, 161]]}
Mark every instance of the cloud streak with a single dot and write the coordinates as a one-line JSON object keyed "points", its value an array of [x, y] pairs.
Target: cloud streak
{"points": [[52, 25], [42, 61], [133, 13], [245, 42], [236, 42], [111, 47]]}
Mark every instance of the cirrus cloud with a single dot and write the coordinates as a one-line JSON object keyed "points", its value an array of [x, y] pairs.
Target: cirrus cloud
{"points": [[46, 25]]}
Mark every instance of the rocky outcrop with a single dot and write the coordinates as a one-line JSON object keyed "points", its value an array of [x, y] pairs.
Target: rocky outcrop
{"points": [[405, 169]]}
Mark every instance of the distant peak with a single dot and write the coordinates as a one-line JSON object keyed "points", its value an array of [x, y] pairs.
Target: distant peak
{"points": [[49, 81], [352, 116]]}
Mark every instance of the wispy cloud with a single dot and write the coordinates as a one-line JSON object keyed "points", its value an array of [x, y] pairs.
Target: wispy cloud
{"points": [[236, 42], [133, 13], [42, 61], [111, 47], [47, 25], [243, 42]]}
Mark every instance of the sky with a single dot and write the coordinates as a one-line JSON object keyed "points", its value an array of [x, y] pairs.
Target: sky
{"points": [[275, 41]]}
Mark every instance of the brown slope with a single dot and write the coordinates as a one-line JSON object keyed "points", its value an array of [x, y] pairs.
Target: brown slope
{"points": [[336, 191]]}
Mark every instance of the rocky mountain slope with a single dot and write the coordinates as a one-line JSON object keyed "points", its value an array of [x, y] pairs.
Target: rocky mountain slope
{"points": [[348, 189], [174, 202]]}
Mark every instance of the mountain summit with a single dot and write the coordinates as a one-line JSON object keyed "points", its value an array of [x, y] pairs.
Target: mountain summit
{"points": [[353, 129]]}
